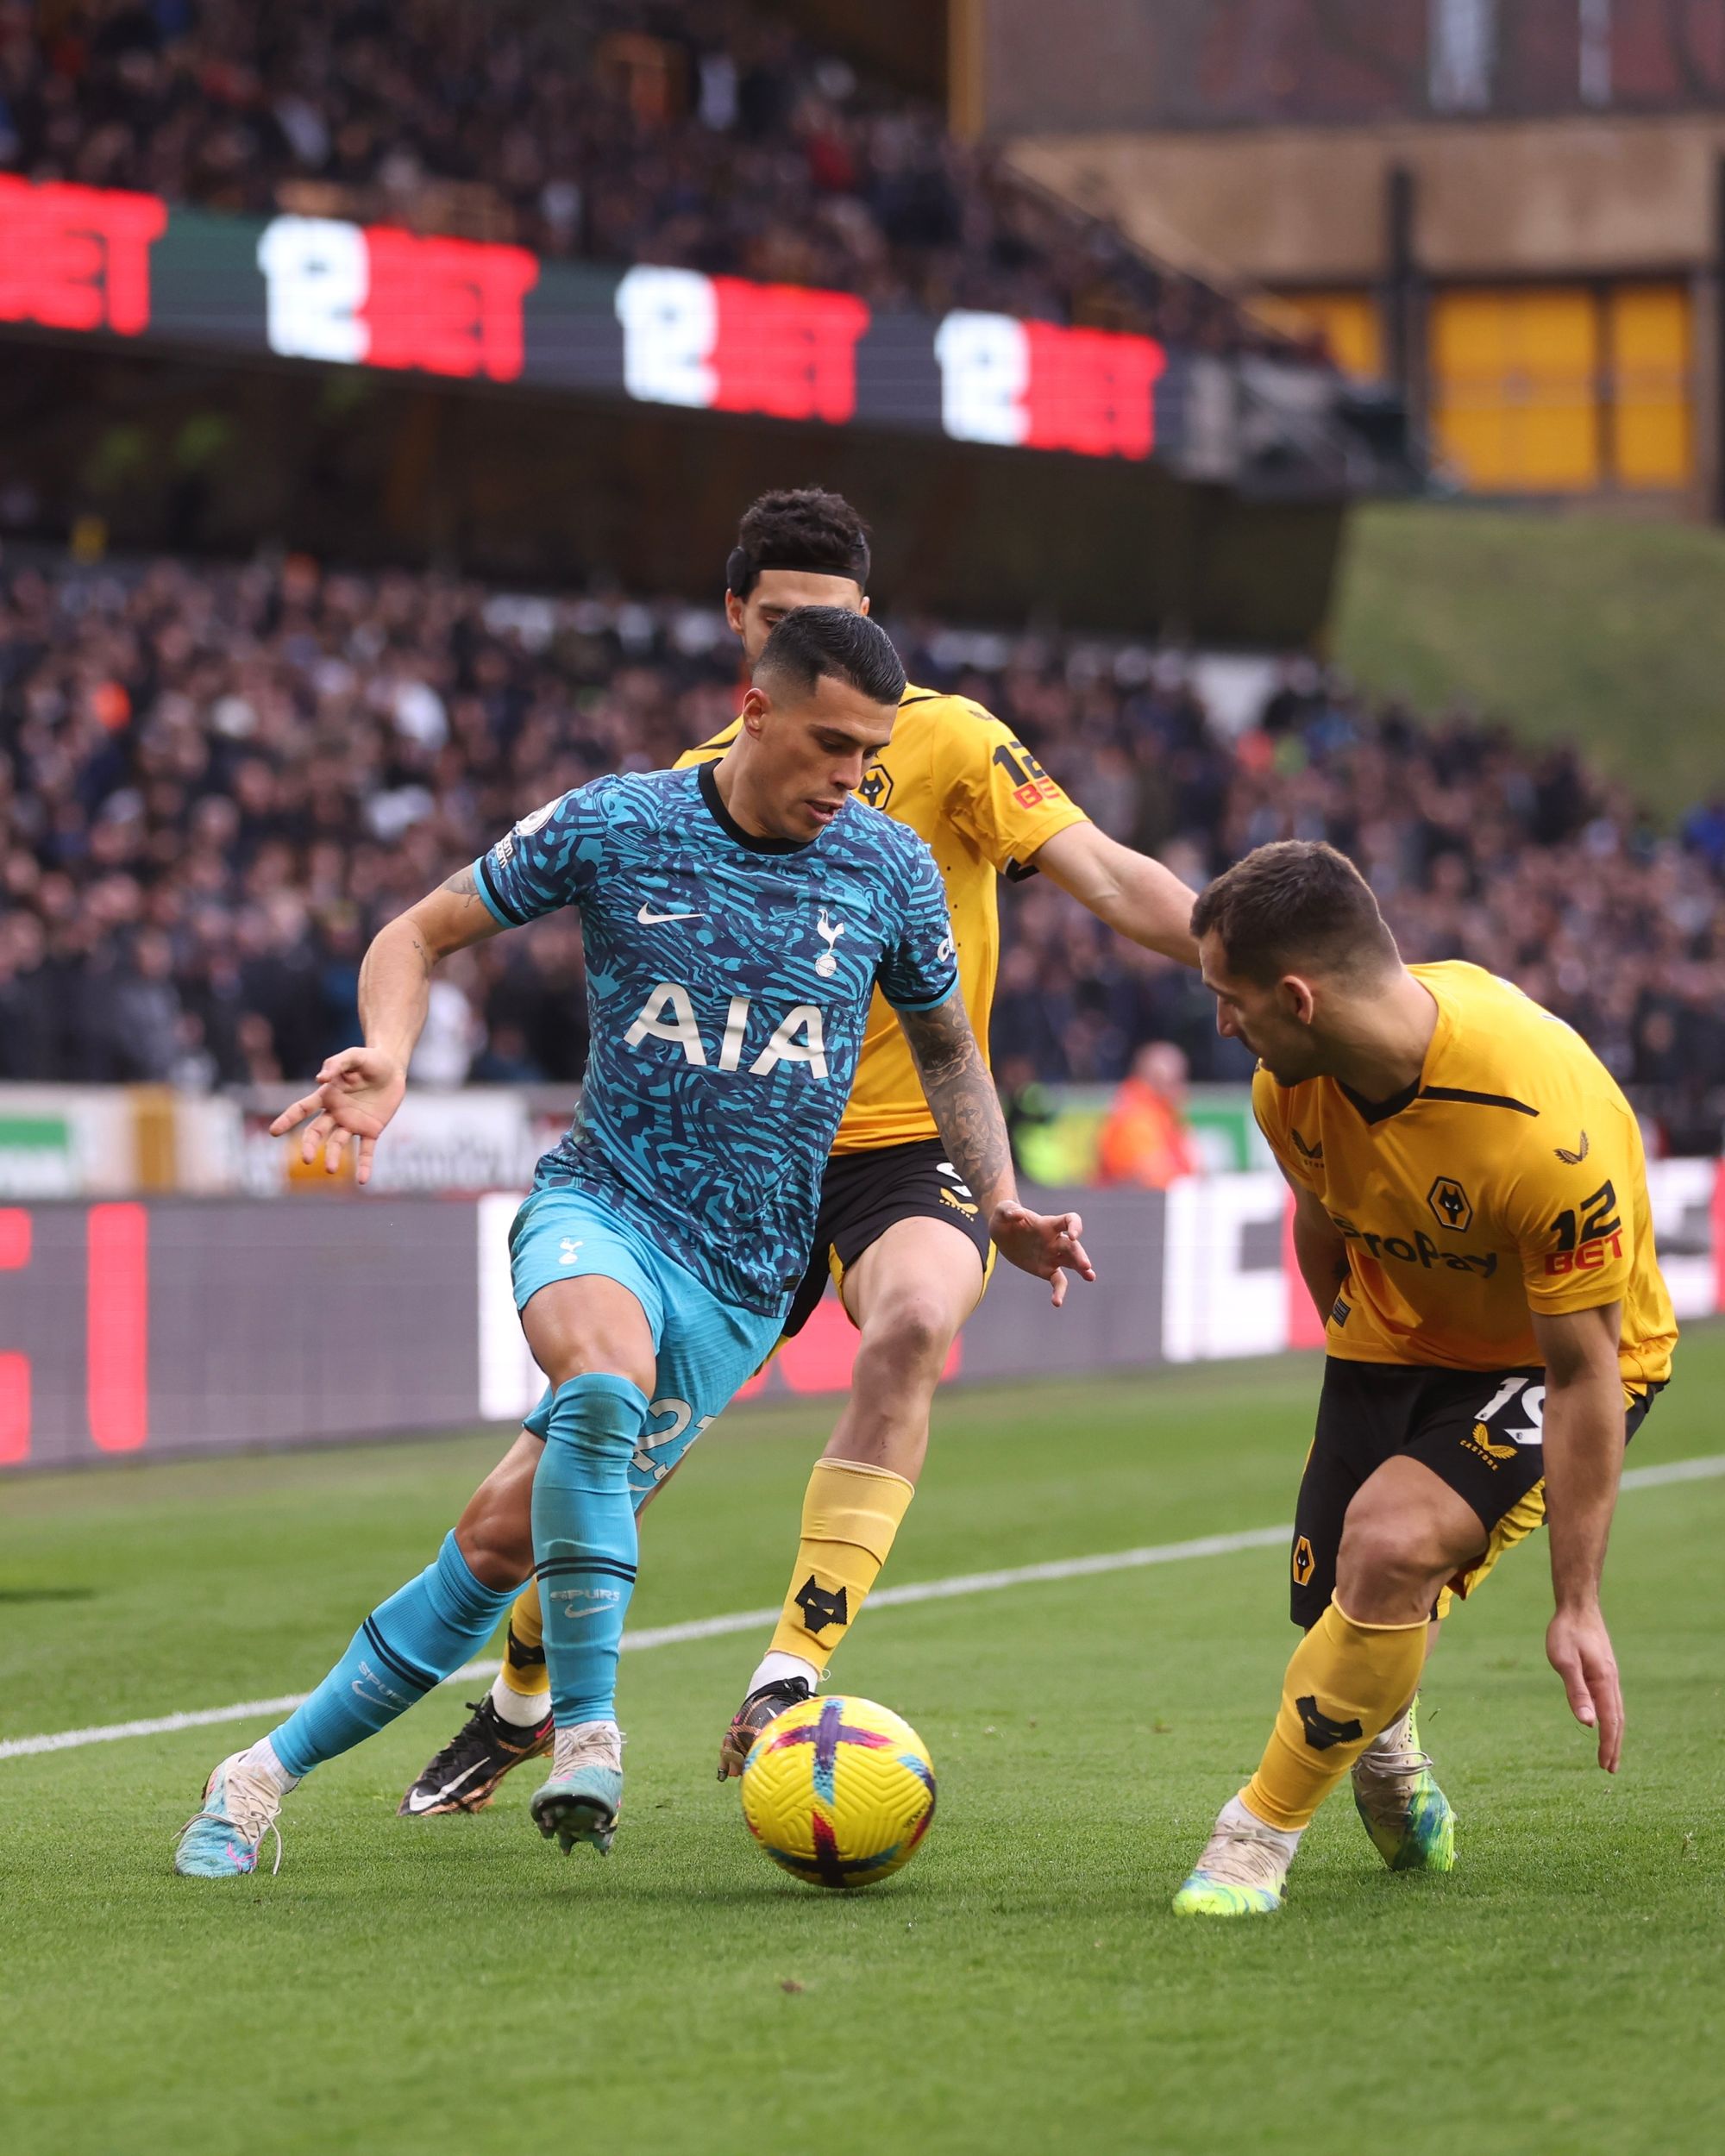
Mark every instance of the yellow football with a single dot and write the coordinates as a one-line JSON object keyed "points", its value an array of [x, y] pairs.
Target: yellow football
{"points": [[838, 1791]]}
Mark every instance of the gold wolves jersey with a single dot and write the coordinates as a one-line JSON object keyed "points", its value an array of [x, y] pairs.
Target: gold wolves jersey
{"points": [[1508, 1180], [954, 773]]}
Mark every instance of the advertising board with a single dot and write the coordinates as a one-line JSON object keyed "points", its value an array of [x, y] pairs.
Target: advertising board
{"points": [[170, 1326]]}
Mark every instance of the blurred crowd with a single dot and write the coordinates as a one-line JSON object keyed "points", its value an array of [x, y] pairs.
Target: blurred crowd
{"points": [[705, 134], [216, 783]]}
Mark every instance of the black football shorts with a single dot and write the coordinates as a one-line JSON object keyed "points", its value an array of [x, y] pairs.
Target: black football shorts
{"points": [[862, 1195], [1478, 1430]]}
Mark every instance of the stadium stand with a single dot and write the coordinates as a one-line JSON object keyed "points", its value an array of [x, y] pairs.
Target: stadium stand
{"points": [[216, 783], [696, 133]]}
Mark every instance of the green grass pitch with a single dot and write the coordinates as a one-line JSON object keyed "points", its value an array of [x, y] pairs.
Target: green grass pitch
{"points": [[453, 1983]]}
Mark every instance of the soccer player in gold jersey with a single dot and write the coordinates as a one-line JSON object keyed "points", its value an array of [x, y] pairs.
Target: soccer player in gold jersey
{"points": [[899, 1232], [1472, 1216]]}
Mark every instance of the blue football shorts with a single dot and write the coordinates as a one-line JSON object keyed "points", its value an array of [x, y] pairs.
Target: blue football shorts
{"points": [[705, 1348]]}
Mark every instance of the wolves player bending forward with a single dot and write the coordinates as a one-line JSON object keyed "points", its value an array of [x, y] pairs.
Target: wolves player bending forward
{"points": [[1471, 1213], [737, 919]]}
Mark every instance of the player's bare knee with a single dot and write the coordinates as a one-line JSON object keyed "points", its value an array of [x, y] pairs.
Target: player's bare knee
{"points": [[914, 1332], [589, 1328], [1385, 1560]]}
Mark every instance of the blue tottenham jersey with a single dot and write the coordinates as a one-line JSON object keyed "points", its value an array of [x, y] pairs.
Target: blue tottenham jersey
{"points": [[728, 984]]}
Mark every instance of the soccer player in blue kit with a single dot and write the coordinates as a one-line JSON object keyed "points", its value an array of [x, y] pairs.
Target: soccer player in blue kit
{"points": [[737, 919]]}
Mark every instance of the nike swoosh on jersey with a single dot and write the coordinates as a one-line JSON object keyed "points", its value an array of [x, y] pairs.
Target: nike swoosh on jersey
{"points": [[652, 920]]}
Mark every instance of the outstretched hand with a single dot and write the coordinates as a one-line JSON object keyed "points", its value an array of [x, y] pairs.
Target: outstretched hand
{"points": [[1042, 1243], [1578, 1648], [357, 1091]]}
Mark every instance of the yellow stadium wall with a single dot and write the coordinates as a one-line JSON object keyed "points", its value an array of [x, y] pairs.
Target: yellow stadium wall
{"points": [[1575, 388]]}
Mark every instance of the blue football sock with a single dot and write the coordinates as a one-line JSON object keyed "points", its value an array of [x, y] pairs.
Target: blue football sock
{"points": [[421, 1635], [584, 1541]]}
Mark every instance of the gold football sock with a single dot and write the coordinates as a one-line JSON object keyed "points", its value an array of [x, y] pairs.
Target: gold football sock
{"points": [[1345, 1684], [523, 1654], [850, 1514]]}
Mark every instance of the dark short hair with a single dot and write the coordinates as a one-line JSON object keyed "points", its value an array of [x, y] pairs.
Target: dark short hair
{"points": [[798, 528], [1295, 906], [812, 641]]}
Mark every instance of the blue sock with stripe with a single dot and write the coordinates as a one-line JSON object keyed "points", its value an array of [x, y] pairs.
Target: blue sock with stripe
{"points": [[584, 1540], [421, 1635]]}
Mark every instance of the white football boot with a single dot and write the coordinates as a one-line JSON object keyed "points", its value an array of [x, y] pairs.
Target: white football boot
{"points": [[221, 1840], [583, 1800], [1242, 1871]]}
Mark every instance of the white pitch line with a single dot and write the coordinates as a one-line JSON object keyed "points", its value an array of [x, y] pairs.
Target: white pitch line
{"points": [[1702, 1470], [753, 1620], [679, 1635]]}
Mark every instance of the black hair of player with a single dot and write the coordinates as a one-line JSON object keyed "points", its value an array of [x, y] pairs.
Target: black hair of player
{"points": [[1295, 906], [814, 641], [798, 528]]}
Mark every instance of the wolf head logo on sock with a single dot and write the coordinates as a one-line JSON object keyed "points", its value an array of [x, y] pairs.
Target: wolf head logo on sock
{"points": [[820, 1608], [1321, 1732]]}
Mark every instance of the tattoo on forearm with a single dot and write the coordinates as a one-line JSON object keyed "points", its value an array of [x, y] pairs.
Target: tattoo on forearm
{"points": [[962, 1096]]}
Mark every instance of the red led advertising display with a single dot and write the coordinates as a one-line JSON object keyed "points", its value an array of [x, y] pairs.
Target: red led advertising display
{"points": [[103, 262]]}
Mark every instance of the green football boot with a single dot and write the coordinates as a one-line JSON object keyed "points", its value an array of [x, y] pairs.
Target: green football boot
{"points": [[1396, 1795]]}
